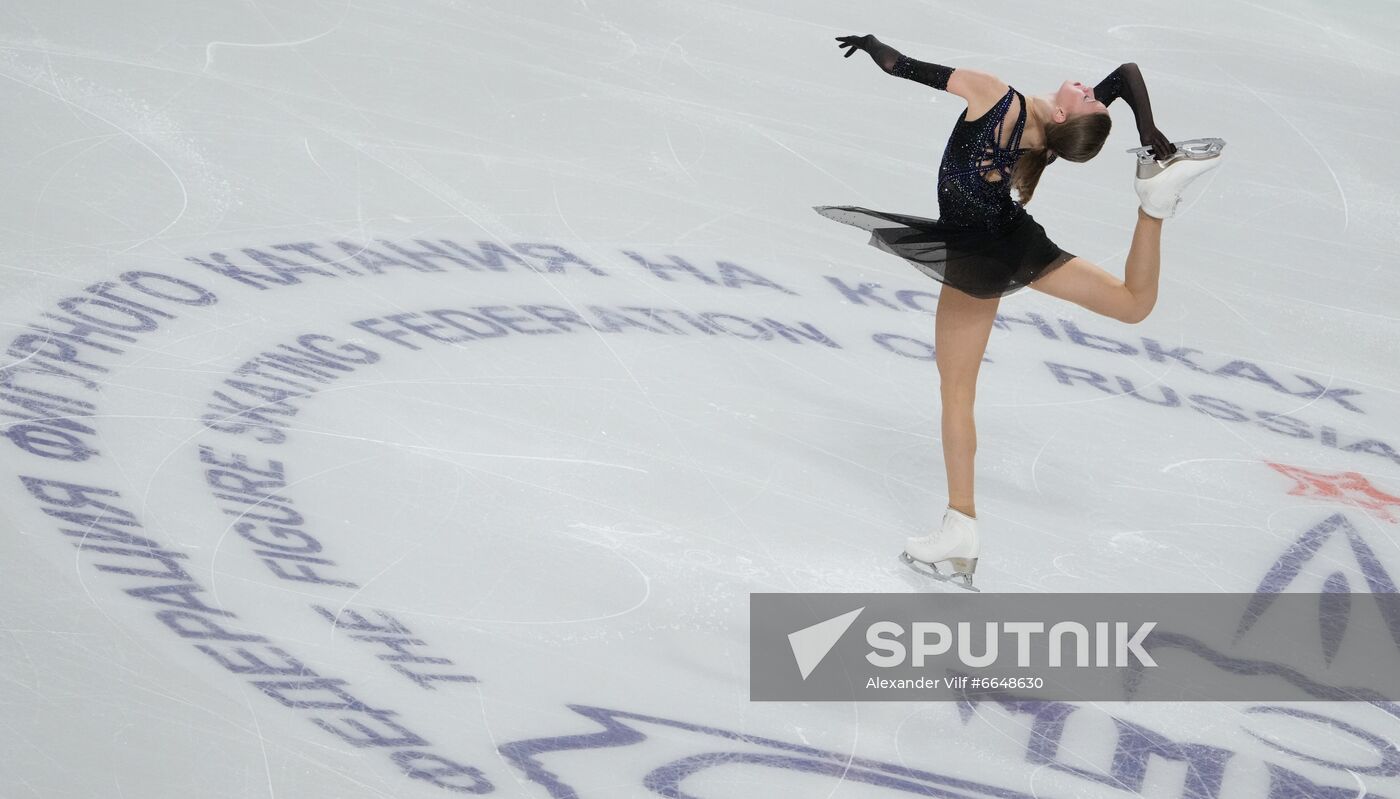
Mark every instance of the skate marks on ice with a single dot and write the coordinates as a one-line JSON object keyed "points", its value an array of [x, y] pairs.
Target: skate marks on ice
{"points": [[460, 446], [250, 438]]}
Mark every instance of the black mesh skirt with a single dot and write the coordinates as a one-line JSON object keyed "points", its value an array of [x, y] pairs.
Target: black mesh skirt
{"points": [[981, 262]]}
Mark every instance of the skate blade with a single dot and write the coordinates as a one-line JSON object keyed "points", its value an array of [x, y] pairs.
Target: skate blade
{"points": [[960, 579], [1190, 150]]}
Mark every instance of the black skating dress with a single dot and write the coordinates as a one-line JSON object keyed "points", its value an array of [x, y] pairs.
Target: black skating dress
{"points": [[984, 243]]}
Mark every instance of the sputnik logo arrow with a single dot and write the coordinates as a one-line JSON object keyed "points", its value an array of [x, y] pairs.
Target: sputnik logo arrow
{"points": [[811, 644]]}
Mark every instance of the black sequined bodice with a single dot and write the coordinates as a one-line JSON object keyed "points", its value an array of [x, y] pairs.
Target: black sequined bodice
{"points": [[974, 179]]}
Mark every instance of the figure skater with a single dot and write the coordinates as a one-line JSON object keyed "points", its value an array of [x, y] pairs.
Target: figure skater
{"points": [[985, 245]]}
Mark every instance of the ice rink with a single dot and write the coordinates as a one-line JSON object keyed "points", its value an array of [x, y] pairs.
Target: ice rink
{"points": [[403, 399]]}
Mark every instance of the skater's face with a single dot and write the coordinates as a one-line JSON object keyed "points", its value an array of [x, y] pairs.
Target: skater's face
{"points": [[1075, 99]]}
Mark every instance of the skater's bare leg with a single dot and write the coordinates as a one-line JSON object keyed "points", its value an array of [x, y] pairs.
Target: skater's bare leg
{"points": [[1127, 300], [961, 330]]}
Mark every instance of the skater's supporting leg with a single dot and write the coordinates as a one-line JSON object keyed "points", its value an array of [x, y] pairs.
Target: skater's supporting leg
{"points": [[1128, 300], [961, 330]]}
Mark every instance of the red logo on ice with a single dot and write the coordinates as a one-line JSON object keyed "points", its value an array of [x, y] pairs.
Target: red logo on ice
{"points": [[1348, 488]]}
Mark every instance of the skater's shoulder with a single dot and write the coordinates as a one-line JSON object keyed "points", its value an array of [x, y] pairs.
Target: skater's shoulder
{"points": [[980, 89], [987, 97]]}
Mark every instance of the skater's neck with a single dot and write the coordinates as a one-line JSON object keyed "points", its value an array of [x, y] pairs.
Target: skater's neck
{"points": [[1040, 109]]}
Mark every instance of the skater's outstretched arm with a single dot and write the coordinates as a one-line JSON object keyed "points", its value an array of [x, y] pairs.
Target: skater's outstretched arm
{"points": [[968, 84], [1126, 82]]}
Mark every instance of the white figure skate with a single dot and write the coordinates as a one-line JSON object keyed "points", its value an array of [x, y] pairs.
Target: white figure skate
{"points": [[1160, 184], [957, 543]]}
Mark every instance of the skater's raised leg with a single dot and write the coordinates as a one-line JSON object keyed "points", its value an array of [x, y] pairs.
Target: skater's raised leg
{"points": [[961, 329], [1089, 286], [1132, 298]]}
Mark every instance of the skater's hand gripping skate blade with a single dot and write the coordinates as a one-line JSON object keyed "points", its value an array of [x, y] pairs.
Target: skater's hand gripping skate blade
{"points": [[1150, 164], [1161, 192]]}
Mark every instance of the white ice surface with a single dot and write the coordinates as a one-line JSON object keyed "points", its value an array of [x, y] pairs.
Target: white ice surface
{"points": [[578, 519]]}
